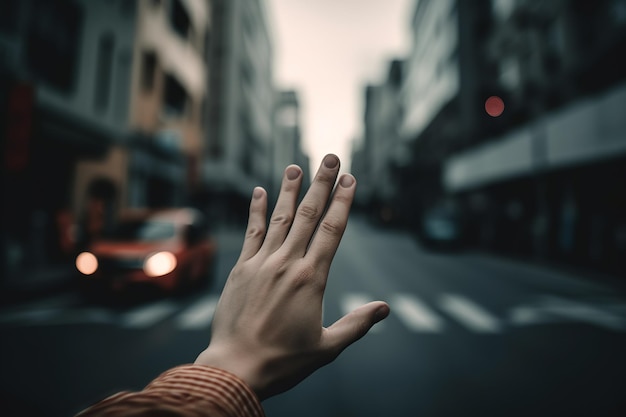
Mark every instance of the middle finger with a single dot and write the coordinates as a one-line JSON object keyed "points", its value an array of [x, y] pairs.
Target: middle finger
{"points": [[312, 206], [282, 216]]}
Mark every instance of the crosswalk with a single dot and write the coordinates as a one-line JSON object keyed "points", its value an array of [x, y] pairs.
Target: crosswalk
{"points": [[442, 314], [470, 314], [416, 315]]}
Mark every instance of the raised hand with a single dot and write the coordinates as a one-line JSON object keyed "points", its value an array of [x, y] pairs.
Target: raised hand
{"points": [[267, 327]]}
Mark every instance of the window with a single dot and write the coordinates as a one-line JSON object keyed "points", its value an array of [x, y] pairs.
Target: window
{"points": [[122, 84], [127, 8], [175, 103], [9, 17], [618, 11], [52, 42], [510, 75], [179, 19], [104, 70], [148, 70]]}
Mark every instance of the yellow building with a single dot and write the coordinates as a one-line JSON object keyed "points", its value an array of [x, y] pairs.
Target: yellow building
{"points": [[156, 165]]}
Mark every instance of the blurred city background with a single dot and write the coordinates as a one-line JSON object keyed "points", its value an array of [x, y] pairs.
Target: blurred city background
{"points": [[490, 211]]}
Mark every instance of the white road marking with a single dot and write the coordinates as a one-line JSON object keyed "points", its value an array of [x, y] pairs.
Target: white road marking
{"points": [[199, 314], [415, 314], [582, 312], [552, 309], [527, 315], [469, 314], [352, 301], [146, 316]]}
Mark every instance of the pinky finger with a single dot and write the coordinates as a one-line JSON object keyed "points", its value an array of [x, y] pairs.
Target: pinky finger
{"points": [[255, 232]]}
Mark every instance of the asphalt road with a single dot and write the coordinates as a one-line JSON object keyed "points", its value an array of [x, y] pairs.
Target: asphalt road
{"points": [[469, 335]]}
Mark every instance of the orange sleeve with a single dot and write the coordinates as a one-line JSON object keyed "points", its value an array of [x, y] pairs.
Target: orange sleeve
{"points": [[187, 390]]}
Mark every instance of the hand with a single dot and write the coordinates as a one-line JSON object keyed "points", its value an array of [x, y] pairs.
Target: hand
{"points": [[267, 327]]}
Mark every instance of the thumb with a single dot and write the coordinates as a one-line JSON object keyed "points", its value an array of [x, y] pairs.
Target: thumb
{"points": [[355, 325]]}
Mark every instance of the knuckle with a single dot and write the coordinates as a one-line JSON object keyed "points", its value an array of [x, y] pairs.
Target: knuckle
{"points": [[331, 226], [303, 275], [277, 264], [344, 198], [282, 219], [308, 211], [237, 272], [255, 232], [326, 179]]}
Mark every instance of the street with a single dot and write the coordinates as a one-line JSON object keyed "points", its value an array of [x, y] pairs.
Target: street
{"points": [[469, 335]]}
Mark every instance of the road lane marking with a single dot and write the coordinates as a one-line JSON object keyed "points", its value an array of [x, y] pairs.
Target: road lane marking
{"points": [[552, 309], [199, 314], [146, 316], [527, 315], [469, 314], [415, 314], [352, 301]]}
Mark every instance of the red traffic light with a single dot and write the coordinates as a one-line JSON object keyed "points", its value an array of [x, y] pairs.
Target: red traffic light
{"points": [[494, 106]]}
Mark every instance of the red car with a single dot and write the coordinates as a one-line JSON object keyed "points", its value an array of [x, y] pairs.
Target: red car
{"points": [[169, 249]]}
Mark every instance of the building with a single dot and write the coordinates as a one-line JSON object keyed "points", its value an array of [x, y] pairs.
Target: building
{"points": [[541, 178], [549, 184], [287, 145], [447, 76], [240, 110], [101, 111], [65, 69], [167, 93], [382, 149]]}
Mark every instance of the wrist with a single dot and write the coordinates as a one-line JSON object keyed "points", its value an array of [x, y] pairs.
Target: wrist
{"points": [[238, 365]]}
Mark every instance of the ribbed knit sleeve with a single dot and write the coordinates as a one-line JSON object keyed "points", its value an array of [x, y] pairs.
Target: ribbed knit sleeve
{"points": [[187, 390]]}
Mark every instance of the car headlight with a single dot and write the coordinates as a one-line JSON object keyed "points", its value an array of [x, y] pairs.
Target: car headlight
{"points": [[160, 263], [86, 263]]}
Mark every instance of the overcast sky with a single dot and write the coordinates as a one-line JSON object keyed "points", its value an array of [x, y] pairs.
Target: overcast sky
{"points": [[328, 50]]}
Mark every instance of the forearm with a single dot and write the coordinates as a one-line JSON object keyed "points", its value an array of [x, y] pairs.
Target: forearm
{"points": [[189, 391]]}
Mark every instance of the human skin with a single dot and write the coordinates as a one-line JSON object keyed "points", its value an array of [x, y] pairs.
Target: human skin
{"points": [[267, 327]]}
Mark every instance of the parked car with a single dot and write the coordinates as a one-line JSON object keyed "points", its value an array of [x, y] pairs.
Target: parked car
{"points": [[167, 249], [441, 227]]}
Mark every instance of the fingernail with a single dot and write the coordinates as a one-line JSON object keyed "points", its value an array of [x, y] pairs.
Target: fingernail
{"points": [[346, 181], [293, 173], [331, 161], [258, 192], [381, 313]]}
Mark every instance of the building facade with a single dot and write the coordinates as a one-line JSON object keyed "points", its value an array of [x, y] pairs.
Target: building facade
{"points": [[169, 98], [548, 186], [382, 150], [65, 73], [240, 110], [447, 76], [543, 178], [287, 143], [102, 111]]}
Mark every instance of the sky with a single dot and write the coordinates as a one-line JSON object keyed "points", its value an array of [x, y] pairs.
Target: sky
{"points": [[328, 50]]}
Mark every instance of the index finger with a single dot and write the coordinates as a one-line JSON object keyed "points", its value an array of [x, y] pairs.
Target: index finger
{"points": [[330, 231]]}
